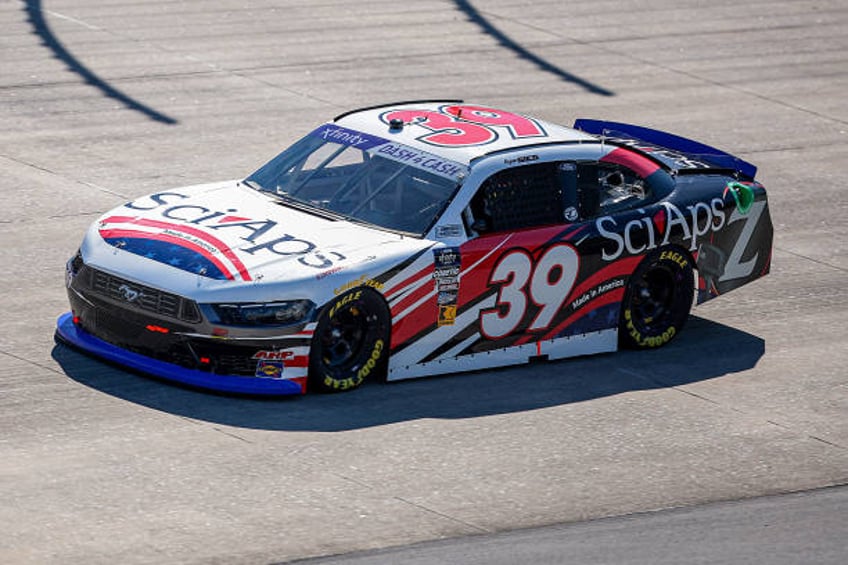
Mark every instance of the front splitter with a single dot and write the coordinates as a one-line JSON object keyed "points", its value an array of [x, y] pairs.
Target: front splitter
{"points": [[71, 334]]}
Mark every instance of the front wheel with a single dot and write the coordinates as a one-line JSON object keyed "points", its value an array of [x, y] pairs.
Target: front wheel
{"points": [[351, 342], [657, 300]]}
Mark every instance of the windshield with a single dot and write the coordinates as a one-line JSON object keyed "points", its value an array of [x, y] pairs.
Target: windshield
{"points": [[362, 177]]}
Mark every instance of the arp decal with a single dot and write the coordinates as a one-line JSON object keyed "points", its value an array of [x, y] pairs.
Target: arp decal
{"points": [[273, 355], [465, 126], [270, 364]]}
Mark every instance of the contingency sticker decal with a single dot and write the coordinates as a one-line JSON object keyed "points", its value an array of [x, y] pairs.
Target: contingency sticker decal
{"points": [[446, 276], [271, 364]]}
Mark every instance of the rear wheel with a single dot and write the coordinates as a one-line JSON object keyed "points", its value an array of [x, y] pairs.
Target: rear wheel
{"points": [[658, 299], [351, 342]]}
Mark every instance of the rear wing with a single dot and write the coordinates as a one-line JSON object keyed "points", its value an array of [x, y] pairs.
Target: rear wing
{"points": [[675, 152]]}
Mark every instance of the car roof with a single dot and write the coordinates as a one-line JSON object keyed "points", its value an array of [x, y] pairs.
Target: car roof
{"points": [[447, 113]]}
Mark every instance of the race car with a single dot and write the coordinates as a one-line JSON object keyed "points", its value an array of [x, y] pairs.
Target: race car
{"points": [[414, 239]]}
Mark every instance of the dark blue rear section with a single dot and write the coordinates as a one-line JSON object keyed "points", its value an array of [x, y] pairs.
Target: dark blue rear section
{"points": [[674, 151]]}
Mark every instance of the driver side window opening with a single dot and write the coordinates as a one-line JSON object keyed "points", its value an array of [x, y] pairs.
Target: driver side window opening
{"points": [[619, 188], [517, 198], [601, 188], [555, 192]]}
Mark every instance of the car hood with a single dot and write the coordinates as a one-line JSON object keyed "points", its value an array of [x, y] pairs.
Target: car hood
{"points": [[211, 242]]}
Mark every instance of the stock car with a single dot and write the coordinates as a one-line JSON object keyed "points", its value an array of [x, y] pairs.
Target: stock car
{"points": [[415, 239]]}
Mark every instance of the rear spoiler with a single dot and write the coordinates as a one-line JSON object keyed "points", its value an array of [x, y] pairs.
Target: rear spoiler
{"points": [[677, 153]]}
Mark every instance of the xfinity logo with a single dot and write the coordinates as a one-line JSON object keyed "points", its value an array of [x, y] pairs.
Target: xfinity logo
{"points": [[342, 135], [129, 294]]}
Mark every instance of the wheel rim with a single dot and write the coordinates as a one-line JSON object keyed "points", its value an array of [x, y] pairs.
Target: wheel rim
{"points": [[653, 299], [344, 337]]}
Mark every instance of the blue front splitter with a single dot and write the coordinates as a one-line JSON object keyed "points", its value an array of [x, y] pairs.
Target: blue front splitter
{"points": [[71, 334]]}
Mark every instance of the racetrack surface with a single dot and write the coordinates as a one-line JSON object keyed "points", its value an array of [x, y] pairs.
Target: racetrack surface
{"points": [[103, 101], [806, 527]]}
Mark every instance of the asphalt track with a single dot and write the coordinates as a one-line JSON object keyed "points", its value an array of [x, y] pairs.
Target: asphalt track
{"points": [[102, 101], [789, 529]]}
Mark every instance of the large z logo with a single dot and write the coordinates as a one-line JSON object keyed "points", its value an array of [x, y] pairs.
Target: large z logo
{"points": [[735, 268]]}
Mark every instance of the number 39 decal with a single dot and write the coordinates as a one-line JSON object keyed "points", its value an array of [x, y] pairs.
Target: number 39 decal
{"points": [[463, 126], [546, 284]]}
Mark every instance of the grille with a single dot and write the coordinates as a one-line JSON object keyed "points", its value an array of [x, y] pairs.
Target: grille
{"points": [[141, 297], [108, 313], [187, 354], [236, 365]]}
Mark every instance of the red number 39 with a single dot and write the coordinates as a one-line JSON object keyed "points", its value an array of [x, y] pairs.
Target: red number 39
{"points": [[464, 126]]}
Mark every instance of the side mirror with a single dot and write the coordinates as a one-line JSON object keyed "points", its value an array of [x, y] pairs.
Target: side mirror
{"points": [[481, 225]]}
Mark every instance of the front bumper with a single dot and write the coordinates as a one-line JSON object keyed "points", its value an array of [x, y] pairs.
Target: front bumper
{"points": [[70, 333]]}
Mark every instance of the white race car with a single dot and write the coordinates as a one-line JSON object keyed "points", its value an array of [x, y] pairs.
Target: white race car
{"points": [[416, 239]]}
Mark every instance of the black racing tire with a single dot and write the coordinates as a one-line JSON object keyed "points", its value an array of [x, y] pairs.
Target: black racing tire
{"points": [[657, 300], [350, 343]]}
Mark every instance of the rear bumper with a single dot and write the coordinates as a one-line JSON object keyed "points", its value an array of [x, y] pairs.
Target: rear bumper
{"points": [[70, 333]]}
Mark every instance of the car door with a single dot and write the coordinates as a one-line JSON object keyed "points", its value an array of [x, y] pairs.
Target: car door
{"points": [[531, 276], [533, 270], [518, 269]]}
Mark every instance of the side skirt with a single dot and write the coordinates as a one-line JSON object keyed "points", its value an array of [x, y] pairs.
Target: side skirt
{"points": [[603, 341]]}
